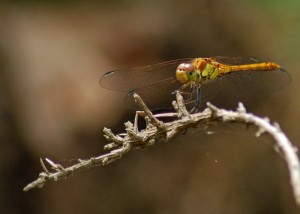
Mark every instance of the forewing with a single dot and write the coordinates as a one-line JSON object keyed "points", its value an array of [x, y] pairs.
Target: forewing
{"points": [[236, 60], [250, 87], [135, 78], [156, 96]]}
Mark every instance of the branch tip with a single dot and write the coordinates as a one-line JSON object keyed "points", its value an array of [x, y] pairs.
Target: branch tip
{"points": [[180, 106], [44, 167], [241, 108]]}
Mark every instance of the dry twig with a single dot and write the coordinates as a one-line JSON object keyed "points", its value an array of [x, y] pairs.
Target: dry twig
{"points": [[158, 131]]}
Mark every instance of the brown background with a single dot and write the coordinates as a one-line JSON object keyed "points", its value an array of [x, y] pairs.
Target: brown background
{"points": [[52, 55]]}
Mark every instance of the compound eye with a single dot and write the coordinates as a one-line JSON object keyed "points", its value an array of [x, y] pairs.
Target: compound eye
{"points": [[184, 71]]}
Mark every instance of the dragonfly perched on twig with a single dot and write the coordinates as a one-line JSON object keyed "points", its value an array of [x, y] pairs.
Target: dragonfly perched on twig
{"points": [[199, 80]]}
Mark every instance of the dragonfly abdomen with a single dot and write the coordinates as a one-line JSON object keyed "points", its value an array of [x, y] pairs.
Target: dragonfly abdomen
{"points": [[264, 66]]}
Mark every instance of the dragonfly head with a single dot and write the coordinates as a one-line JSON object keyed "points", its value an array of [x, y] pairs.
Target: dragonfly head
{"points": [[185, 72]]}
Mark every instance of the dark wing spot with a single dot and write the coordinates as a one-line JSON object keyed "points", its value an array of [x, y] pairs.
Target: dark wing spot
{"points": [[109, 73], [131, 92]]}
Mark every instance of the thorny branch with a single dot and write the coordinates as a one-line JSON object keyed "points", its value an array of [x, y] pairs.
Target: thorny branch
{"points": [[158, 131]]}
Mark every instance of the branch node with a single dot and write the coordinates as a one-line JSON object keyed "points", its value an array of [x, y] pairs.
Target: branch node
{"points": [[111, 137], [154, 121], [43, 175], [110, 146], [55, 166], [137, 136]]}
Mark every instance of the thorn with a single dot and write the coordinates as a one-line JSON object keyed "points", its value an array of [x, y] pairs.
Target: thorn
{"points": [[212, 107], [55, 166], [260, 132], [277, 126], [104, 161], [44, 167], [50, 162], [241, 108]]}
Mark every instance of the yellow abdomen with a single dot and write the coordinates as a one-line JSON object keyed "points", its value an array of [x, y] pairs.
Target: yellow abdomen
{"points": [[251, 67]]}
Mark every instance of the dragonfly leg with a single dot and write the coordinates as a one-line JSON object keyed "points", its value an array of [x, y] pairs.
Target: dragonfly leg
{"points": [[181, 88], [184, 92], [189, 94], [197, 101], [198, 96], [193, 110], [190, 98]]}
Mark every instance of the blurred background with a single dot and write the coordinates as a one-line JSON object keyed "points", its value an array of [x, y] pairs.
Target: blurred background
{"points": [[52, 55]]}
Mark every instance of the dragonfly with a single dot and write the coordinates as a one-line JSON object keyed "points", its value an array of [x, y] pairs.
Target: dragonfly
{"points": [[230, 79]]}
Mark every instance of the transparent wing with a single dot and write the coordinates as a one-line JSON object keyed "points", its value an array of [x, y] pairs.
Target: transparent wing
{"points": [[249, 87], [236, 60], [156, 96], [160, 95], [134, 78]]}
